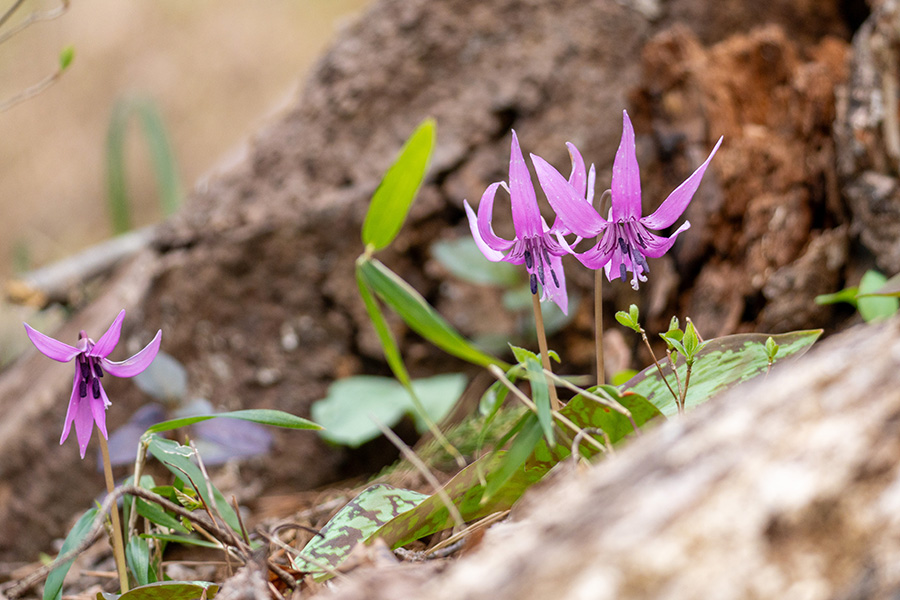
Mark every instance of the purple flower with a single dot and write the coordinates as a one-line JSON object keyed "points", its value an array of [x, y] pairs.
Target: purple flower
{"points": [[534, 245], [625, 240], [89, 402]]}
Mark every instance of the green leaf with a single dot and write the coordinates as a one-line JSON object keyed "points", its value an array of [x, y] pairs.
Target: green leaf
{"points": [[66, 56], [720, 364], [263, 416], [385, 335], [540, 395], [623, 376], [397, 190], [891, 287], [589, 413], [347, 410], [54, 583], [464, 260], [871, 307], [847, 295], [155, 514], [177, 459], [372, 508], [166, 590], [496, 481], [419, 315], [137, 555]]}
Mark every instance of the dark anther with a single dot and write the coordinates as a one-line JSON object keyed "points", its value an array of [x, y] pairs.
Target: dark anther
{"points": [[85, 368], [623, 246], [533, 284], [622, 271], [95, 387], [529, 261], [82, 388], [546, 255], [555, 280], [541, 273], [98, 370]]}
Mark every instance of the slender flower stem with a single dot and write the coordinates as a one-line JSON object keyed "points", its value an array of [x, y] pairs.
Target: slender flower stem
{"points": [[598, 325], [687, 380], [118, 544], [545, 353], [658, 367]]}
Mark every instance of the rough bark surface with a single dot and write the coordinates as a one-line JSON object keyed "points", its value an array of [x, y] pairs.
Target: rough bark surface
{"points": [[253, 285], [783, 488]]}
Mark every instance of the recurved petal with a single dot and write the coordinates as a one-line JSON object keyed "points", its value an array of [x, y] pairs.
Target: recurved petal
{"points": [[626, 176], [109, 339], [482, 224], [73, 408], [595, 257], [673, 206], [50, 347], [84, 424], [525, 212], [137, 363], [658, 245], [578, 176], [573, 210]]}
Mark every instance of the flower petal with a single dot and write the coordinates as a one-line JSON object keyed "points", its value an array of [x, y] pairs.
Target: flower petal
{"points": [[573, 210], [84, 424], [108, 341], [657, 245], [551, 291], [626, 177], [596, 257], [73, 406], [492, 250], [673, 206], [525, 212], [137, 363], [98, 409], [578, 176], [50, 347]]}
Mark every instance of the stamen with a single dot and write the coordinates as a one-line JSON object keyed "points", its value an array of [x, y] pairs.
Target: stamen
{"points": [[85, 368], [98, 370], [541, 273], [555, 280], [82, 388], [623, 246], [529, 261], [533, 280], [622, 271], [95, 387]]}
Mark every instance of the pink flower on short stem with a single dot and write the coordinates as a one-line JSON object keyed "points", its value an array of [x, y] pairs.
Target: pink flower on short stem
{"points": [[625, 241], [88, 402], [535, 244]]}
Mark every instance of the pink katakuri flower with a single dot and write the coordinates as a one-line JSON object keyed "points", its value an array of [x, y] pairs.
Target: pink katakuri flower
{"points": [[535, 244], [88, 402], [625, 241]]}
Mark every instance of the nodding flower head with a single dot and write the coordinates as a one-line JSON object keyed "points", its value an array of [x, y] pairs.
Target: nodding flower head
{"points": [[535, 244], [88, 402], [625, 240]]}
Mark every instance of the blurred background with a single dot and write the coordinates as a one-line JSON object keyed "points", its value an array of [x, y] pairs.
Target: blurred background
{"points": [[211, 70]]}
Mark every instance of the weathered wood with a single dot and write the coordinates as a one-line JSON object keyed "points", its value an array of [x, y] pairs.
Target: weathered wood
{"points": [[783, 488]]}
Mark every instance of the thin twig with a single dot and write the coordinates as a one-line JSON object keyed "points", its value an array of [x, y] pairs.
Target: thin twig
{"points": [[31, 19], [426, 473], [602, 397], [576, 441], [501, 376], [658, 367], [460, 535], [10, 11]]}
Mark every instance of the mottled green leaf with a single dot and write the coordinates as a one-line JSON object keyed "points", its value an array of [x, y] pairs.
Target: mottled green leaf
{"points": [[372, 508], [54, 583], [721, 364], [166, 590], [397, 190]]}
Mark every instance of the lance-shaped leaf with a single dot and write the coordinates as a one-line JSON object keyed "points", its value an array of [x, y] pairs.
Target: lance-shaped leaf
{"points": [[54, 583], [397, 190], [372, 508], [167, 590], [419, 315], [263, 416], [721, 364]]}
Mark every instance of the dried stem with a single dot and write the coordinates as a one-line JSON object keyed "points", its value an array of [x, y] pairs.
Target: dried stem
{"points": [[601, 397], [118, 544], [658, 367], [545, 353]]}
